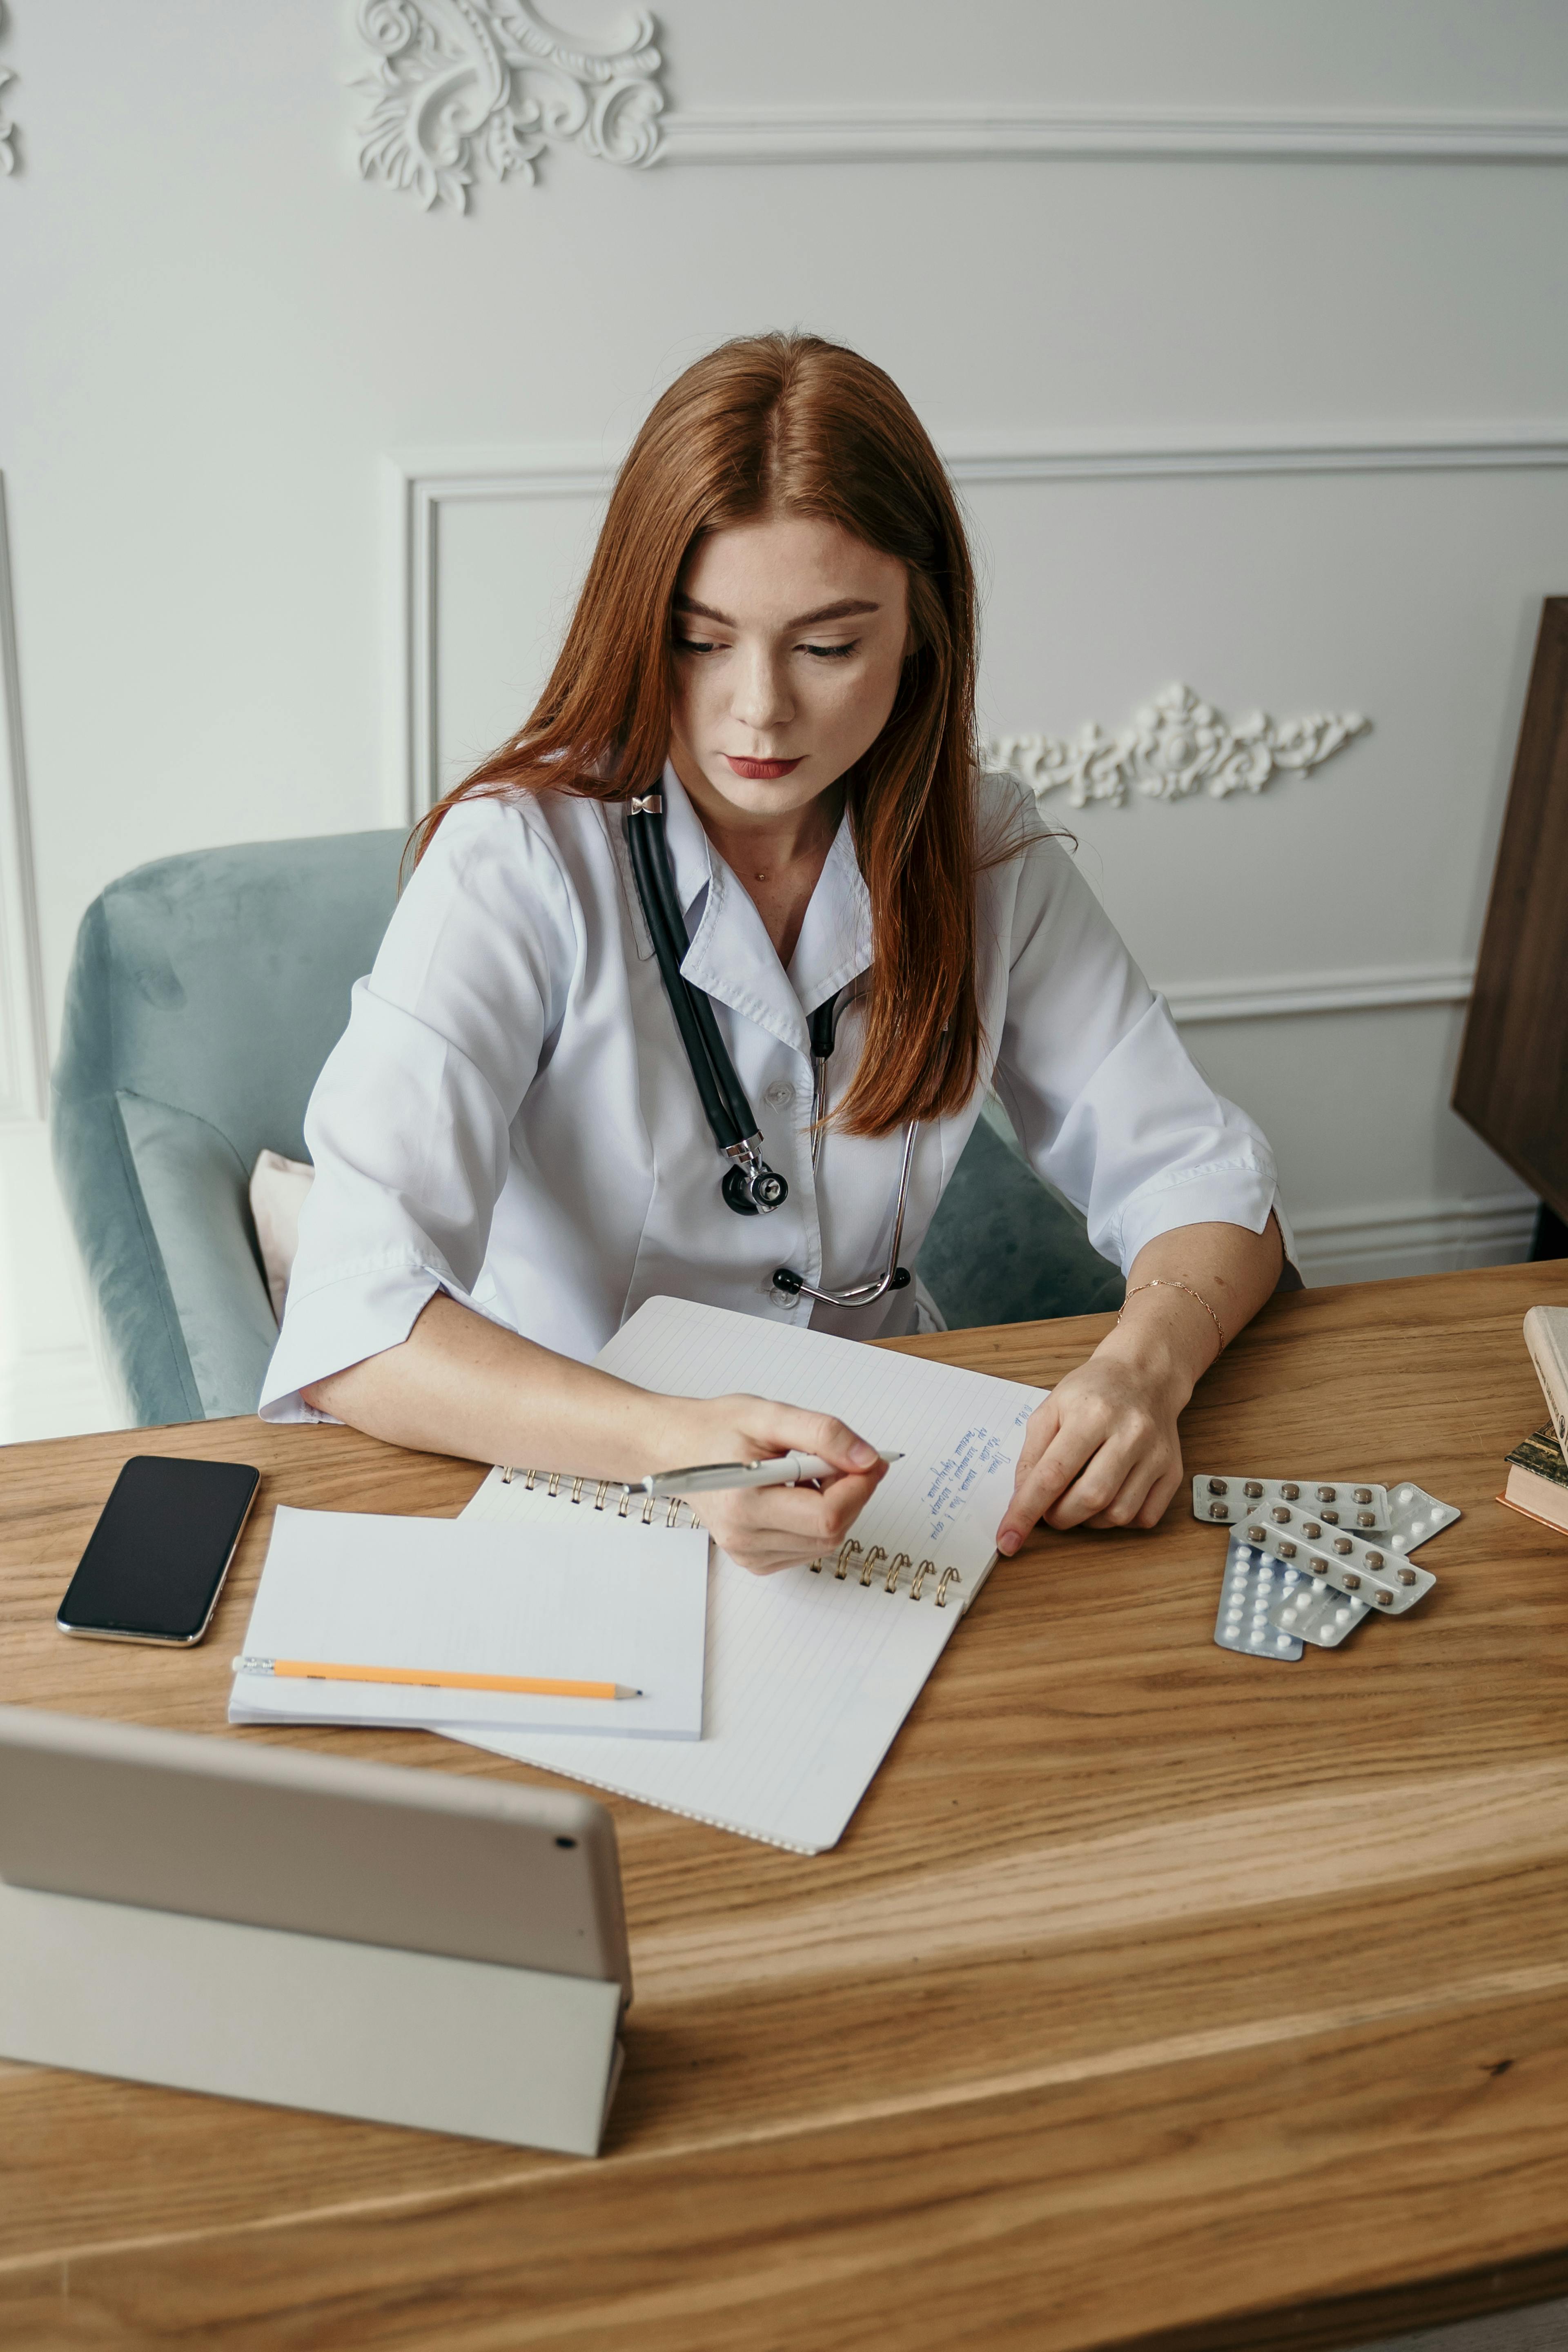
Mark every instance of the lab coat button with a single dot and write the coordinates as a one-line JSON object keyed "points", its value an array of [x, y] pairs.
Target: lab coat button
{"points": [[780, 1096]]}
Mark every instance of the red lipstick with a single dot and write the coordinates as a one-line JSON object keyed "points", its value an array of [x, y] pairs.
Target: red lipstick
{"points": [[762, 772]]}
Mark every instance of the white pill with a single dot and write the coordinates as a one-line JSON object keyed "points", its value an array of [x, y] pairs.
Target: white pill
{"points": [[1341, 1616], [1405, 1493], [1256, 1639], [1319, 1584], [1287, 1616], [1283, 1643]]}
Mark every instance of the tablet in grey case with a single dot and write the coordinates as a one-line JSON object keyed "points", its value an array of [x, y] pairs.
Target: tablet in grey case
{"points": [[408, 1946]]}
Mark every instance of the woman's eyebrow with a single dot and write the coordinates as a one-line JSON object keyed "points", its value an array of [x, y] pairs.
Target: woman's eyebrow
{"points": [[846, 609]]}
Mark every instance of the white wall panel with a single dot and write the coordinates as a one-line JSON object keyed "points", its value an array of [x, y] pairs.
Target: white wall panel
{"points": [[21, 1008], [214, 331]]}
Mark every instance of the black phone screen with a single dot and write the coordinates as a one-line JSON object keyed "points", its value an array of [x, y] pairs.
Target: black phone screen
{"points": [[155, 1562]]}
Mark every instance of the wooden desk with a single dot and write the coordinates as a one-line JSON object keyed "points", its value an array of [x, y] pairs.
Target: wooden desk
{"points": [[1156, 1996]]}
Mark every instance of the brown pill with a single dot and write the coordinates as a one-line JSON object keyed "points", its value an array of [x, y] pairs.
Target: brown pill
{"points": [[1219, 1511], [1366, 1518], [1252, 1488], [1258, 1535], [1280, 1516], [1384, 1600], [1407, 1576], [1341, 1545], [1351, 1583], [1374, 1558], [1286, 1551], [1311, 1530], [1219, 1487], [1363, 1494], [1328, 1494], [1290, 1490]]}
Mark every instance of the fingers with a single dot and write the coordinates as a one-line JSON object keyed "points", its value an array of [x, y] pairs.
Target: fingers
{"points": [[835, 1441], [1142, 1501], [1101, 1451], [1080, 1472], [768, 1527], [782, 1429]]}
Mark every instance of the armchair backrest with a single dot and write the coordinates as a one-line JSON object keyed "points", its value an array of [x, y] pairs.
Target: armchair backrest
{"points": [[204, 994]]}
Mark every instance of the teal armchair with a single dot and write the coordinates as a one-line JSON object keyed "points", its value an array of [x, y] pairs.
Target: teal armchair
{"points": [[204, 994]]}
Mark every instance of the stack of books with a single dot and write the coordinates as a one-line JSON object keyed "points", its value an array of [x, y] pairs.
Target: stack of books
{"points": [[1538, 1467]]}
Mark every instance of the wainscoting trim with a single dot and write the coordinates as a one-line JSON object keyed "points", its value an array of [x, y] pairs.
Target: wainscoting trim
{"points": [[1272, 995], [1370, 1245], [959, 129]]}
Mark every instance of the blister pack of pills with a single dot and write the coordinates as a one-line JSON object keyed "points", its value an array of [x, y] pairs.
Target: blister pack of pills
{"points": [[1311, 1559], [1339, 1502], [1253, 1583], [1313, 1611], [1414, 1515], [1390, 1582]]}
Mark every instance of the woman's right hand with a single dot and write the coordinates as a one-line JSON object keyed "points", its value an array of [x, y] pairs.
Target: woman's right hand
{"points": [[769, 1527]]}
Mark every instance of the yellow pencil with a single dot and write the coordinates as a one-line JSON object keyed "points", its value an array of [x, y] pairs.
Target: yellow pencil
{"points": [[313, 1670]]}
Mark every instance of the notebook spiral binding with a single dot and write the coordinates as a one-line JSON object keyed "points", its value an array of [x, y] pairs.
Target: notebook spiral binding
{"points": [[873, 1562], [603, 1489], [872, 1565]]}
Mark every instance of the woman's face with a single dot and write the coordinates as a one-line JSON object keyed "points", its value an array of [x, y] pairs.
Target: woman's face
{"points": [[789, 636]]}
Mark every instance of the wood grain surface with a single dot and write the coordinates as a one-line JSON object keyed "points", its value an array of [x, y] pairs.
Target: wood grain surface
{"points": [[1155, 1996], [1512, 1079]]}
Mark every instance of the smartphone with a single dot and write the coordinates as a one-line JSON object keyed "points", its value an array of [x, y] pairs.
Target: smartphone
{"points": [[155, 1562]]}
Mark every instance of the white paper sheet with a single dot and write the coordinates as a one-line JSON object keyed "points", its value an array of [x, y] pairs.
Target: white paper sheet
{"points": [[580, 1598], [808, 1677]]}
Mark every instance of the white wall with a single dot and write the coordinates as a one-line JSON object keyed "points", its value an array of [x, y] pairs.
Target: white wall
{"points": [[1248, 319]]}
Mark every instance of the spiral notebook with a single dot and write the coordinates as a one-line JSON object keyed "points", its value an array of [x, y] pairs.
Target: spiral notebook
{"points": [[809, 1672]]}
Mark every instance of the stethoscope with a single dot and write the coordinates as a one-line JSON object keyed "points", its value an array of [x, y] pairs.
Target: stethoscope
{"points": [[750, 1186]]}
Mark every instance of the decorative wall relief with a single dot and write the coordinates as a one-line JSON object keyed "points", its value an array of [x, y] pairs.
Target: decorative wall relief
{"points": [[7, 128], [1172, 747], [466, 87]]}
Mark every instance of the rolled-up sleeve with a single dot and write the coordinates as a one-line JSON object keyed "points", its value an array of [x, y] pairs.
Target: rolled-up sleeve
{"points": [[1104, 1097], [409, 1125]]}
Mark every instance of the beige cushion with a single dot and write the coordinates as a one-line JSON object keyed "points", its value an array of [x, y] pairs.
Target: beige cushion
{"points": [[278, 1190]]}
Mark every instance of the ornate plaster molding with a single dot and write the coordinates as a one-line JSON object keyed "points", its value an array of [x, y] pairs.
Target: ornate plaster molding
{"points": [[1172, 747], [463, 88], [7, 128]]}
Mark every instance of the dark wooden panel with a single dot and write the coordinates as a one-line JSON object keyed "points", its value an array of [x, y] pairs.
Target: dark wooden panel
{"points": [[1512, 1085]]}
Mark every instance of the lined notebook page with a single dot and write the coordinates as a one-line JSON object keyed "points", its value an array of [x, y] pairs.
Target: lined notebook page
{"points": [[544, 1595], [808, 1677]]}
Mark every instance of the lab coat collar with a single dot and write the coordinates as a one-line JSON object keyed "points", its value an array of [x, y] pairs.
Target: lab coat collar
{"points": [[835, 944], [731, 957], [692, 856]]}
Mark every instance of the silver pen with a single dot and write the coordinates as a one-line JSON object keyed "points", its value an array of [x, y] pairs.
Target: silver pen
{"points": [[710, 1478]]}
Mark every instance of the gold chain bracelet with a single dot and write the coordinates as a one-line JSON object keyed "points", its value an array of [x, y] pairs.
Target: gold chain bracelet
{"points": [[1163, 1282]]}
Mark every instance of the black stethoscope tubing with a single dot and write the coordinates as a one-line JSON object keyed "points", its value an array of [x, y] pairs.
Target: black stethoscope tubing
{"points": [[750, 1186], [724, 1101]]}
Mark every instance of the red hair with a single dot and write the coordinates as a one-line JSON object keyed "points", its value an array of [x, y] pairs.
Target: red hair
{"points": [[792, 425]]}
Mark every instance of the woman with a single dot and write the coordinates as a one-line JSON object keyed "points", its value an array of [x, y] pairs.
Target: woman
{"points": [[772, 662]]}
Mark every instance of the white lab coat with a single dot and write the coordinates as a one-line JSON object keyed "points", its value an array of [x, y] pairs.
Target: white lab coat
{"points": [[510, 1117]]}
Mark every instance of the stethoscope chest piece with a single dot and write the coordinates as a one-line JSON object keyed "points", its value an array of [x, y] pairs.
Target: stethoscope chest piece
{"points": [[753, 1192]]}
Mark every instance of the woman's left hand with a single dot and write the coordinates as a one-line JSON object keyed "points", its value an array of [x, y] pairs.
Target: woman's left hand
{"points": [[1101, 1451]]}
